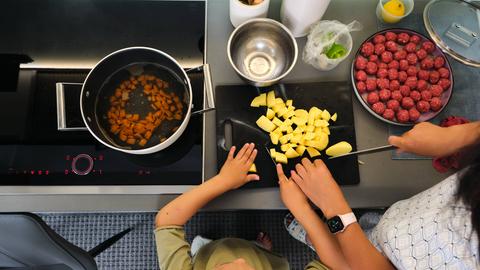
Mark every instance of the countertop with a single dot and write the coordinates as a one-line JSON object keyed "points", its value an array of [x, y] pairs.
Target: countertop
{"points": [[383, 181]]}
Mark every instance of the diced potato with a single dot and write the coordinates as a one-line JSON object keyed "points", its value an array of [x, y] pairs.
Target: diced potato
{"points": [[271, 99], [253, 168], [309, 128], [300, 150], [318, 130], [273, 152], [281, 158], [291, 153], [289, 129], [270, 114], [326, 130], [316, 112], [260, 100], [297, 137], [289, 102], [301, 114], [334, 117], [279, 101], [277, 107], [298, 130], [311, 119], [265, 124], [325, 115], [285, 138], [277, 121], [278, 130], [312, 152], [274, 137], [283, 128], [291, 108], [284, 147], [321, 123], [299, 121], [288, 122], [338, 149], [282, 111], [309, 136], [319, 144], [288, 115]]}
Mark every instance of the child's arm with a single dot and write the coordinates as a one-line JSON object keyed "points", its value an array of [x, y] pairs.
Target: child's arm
{"points": [[232, 175]]}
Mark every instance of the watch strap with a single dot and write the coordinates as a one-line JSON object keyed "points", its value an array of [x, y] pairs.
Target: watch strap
{"points": [[347, 219]]}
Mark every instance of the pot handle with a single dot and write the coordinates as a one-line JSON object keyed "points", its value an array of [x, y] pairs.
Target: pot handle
{"points": [[61, 113], [209, 104]]}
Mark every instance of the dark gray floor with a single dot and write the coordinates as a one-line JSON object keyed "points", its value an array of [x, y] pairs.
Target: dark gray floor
{"points": [[137, 249]]}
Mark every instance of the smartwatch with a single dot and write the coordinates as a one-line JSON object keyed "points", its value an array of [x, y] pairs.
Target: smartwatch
{"points": [[339, 223]]}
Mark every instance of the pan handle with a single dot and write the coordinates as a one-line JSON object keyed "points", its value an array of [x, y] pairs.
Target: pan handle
{"points": [[61, 115], [209, 105]]}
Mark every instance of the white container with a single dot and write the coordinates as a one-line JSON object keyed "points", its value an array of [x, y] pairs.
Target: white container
{"points": [[299, 15], [241, 12]]}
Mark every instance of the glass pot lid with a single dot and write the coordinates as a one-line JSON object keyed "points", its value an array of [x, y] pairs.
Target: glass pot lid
{"points": [[454, 25]]}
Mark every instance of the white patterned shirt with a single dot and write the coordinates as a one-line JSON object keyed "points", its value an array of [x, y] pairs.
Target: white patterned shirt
{"points": [[431, 230]]}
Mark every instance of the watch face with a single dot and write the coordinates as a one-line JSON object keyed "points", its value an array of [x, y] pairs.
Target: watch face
{"points": [[335, 224]]}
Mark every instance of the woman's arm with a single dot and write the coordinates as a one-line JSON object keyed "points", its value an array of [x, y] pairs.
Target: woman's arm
{"points": [[315, 180], [325, 244], [431, 140], [232, 175]]}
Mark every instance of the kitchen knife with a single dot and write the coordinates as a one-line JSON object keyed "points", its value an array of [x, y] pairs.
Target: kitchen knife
{"points": [[268, 153], [369, 150]]}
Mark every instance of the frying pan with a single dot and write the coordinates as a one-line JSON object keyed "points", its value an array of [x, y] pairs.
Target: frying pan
{"points": [[119, 66]]}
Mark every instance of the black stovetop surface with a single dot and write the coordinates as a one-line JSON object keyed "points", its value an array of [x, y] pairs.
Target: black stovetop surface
{"points": [[63, 36]]}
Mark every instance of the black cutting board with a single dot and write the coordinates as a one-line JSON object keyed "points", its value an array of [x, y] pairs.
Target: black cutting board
{"points": [[235, 114]]}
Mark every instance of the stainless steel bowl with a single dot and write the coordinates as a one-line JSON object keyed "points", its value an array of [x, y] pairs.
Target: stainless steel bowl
{"points": [[262, 51]]}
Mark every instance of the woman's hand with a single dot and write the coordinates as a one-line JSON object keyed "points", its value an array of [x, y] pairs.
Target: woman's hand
{"points": [[318, 184], [234, 172], [292, 196], [427, 139]]}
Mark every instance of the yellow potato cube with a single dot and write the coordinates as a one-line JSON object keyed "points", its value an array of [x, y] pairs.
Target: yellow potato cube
{"points": [[311, 119], [309, 136], [326, 130], [260, 100], [277, 121], [270, 114], [316, 112], [265, 124], [289, 102], [285, 138], [297, 137], [279, 101], [273, 152], [338, 149], [288, 115], [291, 153], [282, 111], [300, 150], [274, 137], [298, 130], [299, 121], [291, 108], [289, 129], [301, 114], [284, 147], [321, 123], [278, 130], [334, 117], [288, 122], [271, 99], [309, 128], [312, 152], [277, 107], [325, 115], [253, 168], [281, 158], [283, 128]]}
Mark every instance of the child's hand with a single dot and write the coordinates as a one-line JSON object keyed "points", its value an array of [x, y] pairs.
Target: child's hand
{"points": [[292, 196], [234, 172]]}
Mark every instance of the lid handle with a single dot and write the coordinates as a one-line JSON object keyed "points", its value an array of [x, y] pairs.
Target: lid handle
{"points": [[461, 35]]}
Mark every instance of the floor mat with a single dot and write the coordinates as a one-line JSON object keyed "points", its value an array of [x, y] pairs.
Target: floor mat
{"points": [[137, 249]]}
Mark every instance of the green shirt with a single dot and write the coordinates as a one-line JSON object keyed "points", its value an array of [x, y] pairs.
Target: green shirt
{"points": [[174, 253]]}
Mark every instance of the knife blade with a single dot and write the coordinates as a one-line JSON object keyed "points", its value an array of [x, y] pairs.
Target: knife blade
{"points": [[268, 153], [365, 151]]}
